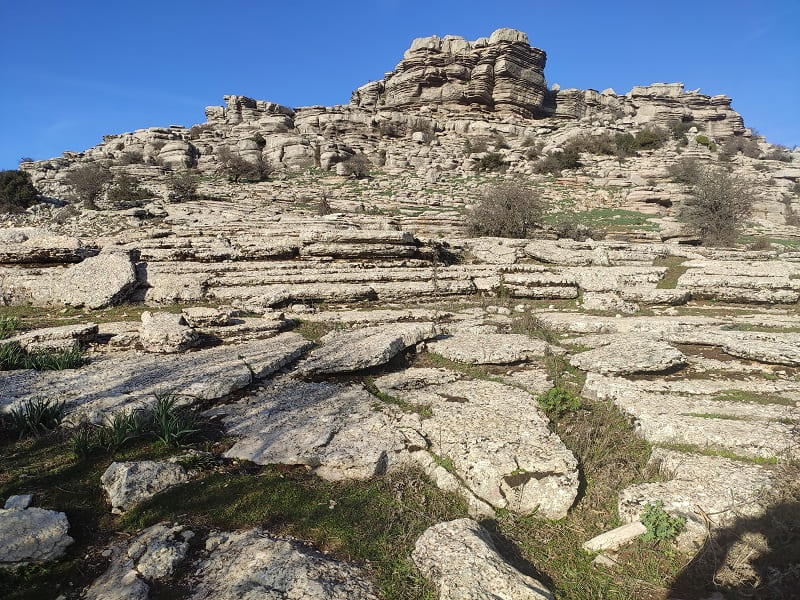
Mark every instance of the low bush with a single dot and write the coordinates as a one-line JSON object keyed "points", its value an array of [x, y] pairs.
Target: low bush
{"points": [[8, 325], [509, 209], [358, 166], [16, 191], [679, 129], [475, 145], [133, 157], [686, 170], [650, 138], [88, 182], [555, 162], [558, 401], [182, 185], [779, 153], [127, 191], [734, 145], [660, 525], [237, 169], [493, 161]]}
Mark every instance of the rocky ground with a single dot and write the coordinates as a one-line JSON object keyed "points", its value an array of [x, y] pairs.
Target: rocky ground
{"points": [[262, 398]]}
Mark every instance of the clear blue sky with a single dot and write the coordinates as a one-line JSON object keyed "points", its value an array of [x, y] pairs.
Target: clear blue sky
{"points": [[71, 72]]}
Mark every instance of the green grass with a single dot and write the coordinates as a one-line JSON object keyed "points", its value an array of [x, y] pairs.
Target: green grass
{"points": [[611, 219], [752, 397], [376, 521], [8, 325], [721, 452], [12, 356], [715, 416], [423, 410], [675, 268]]}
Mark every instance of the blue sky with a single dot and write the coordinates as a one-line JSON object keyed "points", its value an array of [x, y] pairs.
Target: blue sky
{"points": [[71, 72]]}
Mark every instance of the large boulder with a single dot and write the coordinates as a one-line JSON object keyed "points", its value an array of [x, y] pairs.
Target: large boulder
{"points": [[128, 483], [97, 282]]}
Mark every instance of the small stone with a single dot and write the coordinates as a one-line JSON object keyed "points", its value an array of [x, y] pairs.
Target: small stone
{"points": [[19, 502]]}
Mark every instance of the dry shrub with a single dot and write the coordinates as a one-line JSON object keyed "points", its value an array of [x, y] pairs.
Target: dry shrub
{"points": [[719, 204], [509, 209], [88, 182]]}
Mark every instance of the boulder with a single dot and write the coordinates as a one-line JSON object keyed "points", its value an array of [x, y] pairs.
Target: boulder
{"points": [[463, 563], [166, 333], [152, 555], [488, 348], [357, 349], [32, 535], [634, 354], [128, 483], [97, 282]]}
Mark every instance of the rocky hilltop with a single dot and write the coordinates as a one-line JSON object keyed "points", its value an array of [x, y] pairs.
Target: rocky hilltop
{"points": [[269, 355]]}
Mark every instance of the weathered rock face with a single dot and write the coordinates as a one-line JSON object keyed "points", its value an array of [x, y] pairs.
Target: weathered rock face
{"points": [[166, 333], [131, 482], [32, 535], [502, 73], [463, 563], [154, 554], [254, 564]]}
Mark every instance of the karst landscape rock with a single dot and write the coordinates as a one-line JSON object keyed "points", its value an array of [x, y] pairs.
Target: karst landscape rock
{"points": [[378, 401]]}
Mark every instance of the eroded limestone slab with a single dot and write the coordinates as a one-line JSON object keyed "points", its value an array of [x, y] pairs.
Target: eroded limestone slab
{"points": [[126, 380], [32, 535], [354, 350], [128, 483], [463, 563], [635, 354], [493, 435], [334, 429], [154, 554], [255, 564], [482, 349]]}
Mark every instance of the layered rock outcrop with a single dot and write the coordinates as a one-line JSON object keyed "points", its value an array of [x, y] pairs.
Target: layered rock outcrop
{"points": [[502, 72]]}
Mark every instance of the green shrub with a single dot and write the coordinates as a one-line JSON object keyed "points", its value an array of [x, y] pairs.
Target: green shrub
{"points": [[679, 129], [558, 401], [37, 417], [475, 145], [88, 182], [686, 170], [555, 162], [182, 185], [133, 157], [703, 140], [126, 191], [493, 161], [660, 526], [508, 209], [780, 153], [16, 191], [11, 356], [237, 169], [260, 141], [747, 146]]}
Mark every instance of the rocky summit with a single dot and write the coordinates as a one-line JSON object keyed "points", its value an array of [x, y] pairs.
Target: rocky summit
{"points": [[469, 318]]}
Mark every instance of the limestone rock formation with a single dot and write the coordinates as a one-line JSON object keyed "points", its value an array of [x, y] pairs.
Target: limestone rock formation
{"points": [[461, 560], [152, 555], [503, 73], [32, 535], [166, 333], [253, 563], [128, 483]]}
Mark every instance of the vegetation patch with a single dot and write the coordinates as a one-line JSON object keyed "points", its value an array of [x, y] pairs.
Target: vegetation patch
{"points": [[13, 356], [675, 268], [423, 410]]}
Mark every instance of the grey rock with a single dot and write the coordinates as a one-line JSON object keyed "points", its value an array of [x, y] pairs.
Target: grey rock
{"points": [[252, 564], [461, 560], [154, 554], [493, 435], [634, 355], [32, 535], [353, 350], [19, 501], [199, 316], [331, 428], [128, 483], [615, 538], [128, 380], [166, 333], [482, 349], [97, 282], [55, 338]]}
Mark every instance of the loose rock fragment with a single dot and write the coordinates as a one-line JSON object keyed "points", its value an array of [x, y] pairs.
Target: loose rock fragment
{"points": [[128, 483], [32, 535]]}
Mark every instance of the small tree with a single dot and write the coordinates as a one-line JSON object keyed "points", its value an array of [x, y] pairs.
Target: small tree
{"points": [[238, 169], [718, 206], [16, 191], [126, 189], [357, 166], [88, 182], [506, 210], [182, 185]]}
